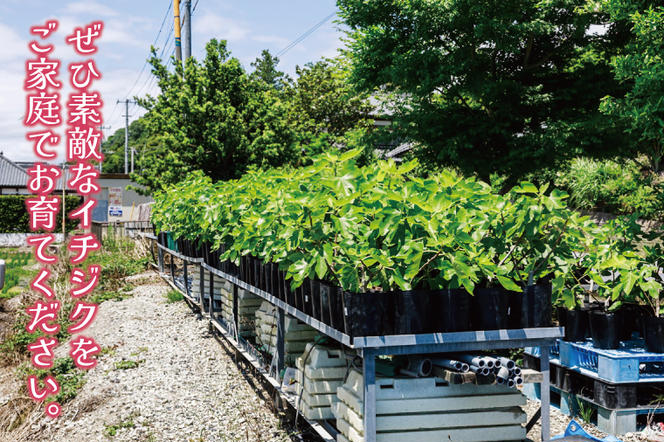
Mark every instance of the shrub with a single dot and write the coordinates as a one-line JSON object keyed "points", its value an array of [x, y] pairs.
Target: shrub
{"points": [[14, 216], [615, 187]]}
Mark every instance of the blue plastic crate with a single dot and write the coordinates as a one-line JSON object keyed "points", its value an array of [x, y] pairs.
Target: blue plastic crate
{"points": [[630, 363], [554, 351]]}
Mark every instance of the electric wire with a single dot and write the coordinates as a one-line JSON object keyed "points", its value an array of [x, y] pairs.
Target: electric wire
{"points": [[306, 34], [145, 64]]}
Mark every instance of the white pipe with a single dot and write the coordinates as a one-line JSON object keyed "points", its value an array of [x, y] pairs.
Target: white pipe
{"points": [[451, 364]]}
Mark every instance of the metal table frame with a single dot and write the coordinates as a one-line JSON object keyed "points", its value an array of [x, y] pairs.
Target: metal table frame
{"points": [[372, 346]]}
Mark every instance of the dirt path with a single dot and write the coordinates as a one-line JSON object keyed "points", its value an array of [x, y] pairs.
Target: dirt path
{"points": [[162, 377]]}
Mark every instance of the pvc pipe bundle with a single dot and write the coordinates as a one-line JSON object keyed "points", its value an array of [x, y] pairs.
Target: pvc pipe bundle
{"points": [[504, 369]]}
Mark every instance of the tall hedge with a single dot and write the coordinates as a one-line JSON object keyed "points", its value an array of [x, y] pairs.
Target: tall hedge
{"points": [[14, 216]]}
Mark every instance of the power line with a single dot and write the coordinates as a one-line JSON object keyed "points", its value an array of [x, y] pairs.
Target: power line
{"points": [[306, 34], [168, 42], [145, 64], [194, 9]]}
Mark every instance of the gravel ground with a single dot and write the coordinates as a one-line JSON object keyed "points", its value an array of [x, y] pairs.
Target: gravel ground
{"points": [[184, 388], [559, 423]]}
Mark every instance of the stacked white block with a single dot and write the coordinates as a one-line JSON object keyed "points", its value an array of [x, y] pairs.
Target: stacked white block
{"points": [[430, 409], [296, 334], [247, 305], [195, 287], [320, 371]]}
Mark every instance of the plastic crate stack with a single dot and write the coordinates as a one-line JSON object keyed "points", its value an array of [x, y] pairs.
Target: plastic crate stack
{"points": [[621, 385], [247, 305], [296, 334], [320, 371], [431, 410]]}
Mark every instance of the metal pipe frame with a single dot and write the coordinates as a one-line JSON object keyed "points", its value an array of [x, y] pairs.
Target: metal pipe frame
{"points": [[371, 347]]}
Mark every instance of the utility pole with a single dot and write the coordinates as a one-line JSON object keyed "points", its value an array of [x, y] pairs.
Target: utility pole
{"points": [[187, 29], [103, 137], [126, 115], [176, 18]]}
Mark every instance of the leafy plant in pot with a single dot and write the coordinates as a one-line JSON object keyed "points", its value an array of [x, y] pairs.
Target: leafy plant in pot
{"points": [[652, 289], [542, 233]]}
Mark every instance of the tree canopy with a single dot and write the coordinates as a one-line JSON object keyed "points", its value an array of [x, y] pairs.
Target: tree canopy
{"points": [[509, 86], [641, 67], [213, 116]]}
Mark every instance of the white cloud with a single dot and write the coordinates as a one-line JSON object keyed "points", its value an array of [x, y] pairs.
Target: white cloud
{"points": [[90, 7], [274, 41], [221, 27], [13, 46]]}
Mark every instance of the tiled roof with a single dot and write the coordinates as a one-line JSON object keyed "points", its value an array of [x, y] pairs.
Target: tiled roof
{"points": [[11, 175]]}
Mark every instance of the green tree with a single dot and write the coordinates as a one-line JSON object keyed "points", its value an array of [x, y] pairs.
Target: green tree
{"points": [[113, 146], [641, 67], [265, 69], [324, 107], [485, 85], [214, 118]]}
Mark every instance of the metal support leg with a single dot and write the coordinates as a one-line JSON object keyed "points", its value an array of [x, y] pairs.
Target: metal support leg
{"points": [[211, 298], [185, 274], [160, 262], [209, 307], [236, 317], [172, 269], [201, 286], [281, 319], [546, 394], [369, 363]]}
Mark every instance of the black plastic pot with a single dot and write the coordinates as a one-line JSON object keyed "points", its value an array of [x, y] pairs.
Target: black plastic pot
{"points": [[331, 299], [514, 311], [303, 298], [413, 312], [536, 306], [324, 293], [267, 277], [490, 308], [576, 325], [605, 329], [635, 317], [258, 273], [315, 299], [451, 310], [244, 268], [655, 334], [288, 292], [368, 314]]}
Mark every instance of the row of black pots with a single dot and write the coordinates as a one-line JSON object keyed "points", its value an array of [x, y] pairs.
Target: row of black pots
{"points": [[608, 329], [388, 313]]}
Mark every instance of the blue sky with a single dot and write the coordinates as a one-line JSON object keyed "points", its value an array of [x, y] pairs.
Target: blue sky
{"points": [[131, 27]]}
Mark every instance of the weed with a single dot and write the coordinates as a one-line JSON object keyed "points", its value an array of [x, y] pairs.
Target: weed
{"points": [[586, 411], [65, 372], [139, 351], [112, 430], [127, 364], [173, 296]]}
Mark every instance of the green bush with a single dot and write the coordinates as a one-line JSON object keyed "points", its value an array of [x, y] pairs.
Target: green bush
{"points": [[612, 186], [14, 216]]}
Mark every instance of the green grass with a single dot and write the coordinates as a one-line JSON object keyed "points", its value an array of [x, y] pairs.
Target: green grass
{"points": [[17, 275], [112, 430], [174, 296], [127, 364]]}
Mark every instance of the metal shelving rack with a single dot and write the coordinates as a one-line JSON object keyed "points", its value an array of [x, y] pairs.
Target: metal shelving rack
{"points": [[367, 347]]}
